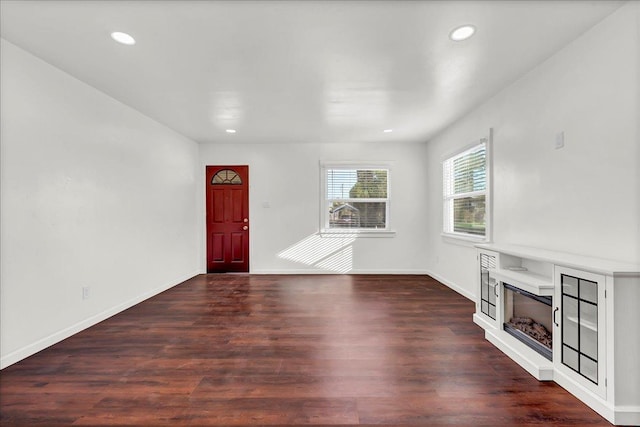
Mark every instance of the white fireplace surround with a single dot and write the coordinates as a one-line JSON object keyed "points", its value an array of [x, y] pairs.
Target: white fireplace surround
{"points": [[610, 340]]}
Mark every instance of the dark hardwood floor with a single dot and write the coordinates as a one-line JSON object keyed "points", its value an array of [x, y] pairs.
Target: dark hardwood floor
{"points": [[247, 350]]}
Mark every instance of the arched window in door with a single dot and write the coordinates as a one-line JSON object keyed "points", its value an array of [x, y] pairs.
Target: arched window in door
{"points": [[226, 176]]}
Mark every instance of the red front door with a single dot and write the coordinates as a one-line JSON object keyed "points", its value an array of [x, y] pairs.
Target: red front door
{"points": [[227, 218]]}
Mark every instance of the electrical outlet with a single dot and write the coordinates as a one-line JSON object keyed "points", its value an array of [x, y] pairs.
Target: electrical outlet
{"points": [[85, 292]]}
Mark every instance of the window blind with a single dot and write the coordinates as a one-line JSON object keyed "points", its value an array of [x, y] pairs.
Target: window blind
{"points": [[465, 172], [464, 179], [356, 198]]}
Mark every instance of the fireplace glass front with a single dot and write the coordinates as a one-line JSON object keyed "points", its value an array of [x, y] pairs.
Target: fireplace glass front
{"points": [[529, 318]]}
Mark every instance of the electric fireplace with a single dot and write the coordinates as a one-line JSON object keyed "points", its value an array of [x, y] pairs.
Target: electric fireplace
{"points": [[528, 318]]}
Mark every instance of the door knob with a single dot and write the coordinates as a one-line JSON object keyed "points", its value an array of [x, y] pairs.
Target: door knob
{"points": [[245, 228], [246, 220]]}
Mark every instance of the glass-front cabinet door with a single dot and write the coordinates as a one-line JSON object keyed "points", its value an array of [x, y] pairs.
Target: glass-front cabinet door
{"points": [[579, 315], [487, 305]]}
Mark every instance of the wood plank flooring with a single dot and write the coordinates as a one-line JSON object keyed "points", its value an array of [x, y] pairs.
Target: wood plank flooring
{"points": [[249, 350]]}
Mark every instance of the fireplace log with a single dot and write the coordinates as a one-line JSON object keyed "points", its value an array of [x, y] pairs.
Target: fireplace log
{"points": [[533, 329]]}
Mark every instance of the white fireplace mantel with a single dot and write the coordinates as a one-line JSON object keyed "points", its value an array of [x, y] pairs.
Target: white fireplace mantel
{"points": [[597, 265], [613, 389]]}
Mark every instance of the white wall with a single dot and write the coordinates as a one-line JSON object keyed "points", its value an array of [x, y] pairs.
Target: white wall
{"points": [[93, 194], [284, 237], [96, 194], [583, 198]]}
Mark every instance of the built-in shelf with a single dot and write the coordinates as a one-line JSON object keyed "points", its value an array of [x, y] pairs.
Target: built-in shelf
{"points": [[587, 324], [526, 280]]}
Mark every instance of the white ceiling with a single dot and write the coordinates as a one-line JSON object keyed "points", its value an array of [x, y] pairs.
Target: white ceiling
{"points": [[299, 71]]}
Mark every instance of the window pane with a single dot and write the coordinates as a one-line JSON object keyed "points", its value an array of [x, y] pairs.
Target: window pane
{"points": [[469, 215], [371, 184], [226, 176], [356, 184], [464, 180], [340, 182], [357, 215], [469, 172]]}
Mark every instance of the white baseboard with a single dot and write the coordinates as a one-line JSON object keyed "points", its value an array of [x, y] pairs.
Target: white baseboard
{"points": [[596, 403], [323, 271], [33, 348], [618, 415], [459, 289], [391, 272], [627, 416], [292, 271]]}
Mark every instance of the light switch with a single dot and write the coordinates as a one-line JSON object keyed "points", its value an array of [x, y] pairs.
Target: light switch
{"points": [[266, 204]]}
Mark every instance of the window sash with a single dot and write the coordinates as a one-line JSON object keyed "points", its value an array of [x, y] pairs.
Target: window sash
{"points": [[338, 181], [462, 218], [465, 178]]}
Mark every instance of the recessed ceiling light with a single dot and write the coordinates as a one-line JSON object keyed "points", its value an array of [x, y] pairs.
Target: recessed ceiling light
{"points": [[387, 130], [462, 33], [123, 38], [231, 131]]}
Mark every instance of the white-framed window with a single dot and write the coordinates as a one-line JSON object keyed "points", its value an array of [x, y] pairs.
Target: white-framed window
{"points": [[466, 195], [355, 197]]}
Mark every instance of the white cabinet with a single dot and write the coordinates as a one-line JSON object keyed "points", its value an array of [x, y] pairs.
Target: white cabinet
{"points": [[579, 328], [595, 320], [487, 314]]}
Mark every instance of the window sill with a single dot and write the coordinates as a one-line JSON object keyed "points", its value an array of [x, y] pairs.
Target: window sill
{"points": [[463, 239], [357, 233]]}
